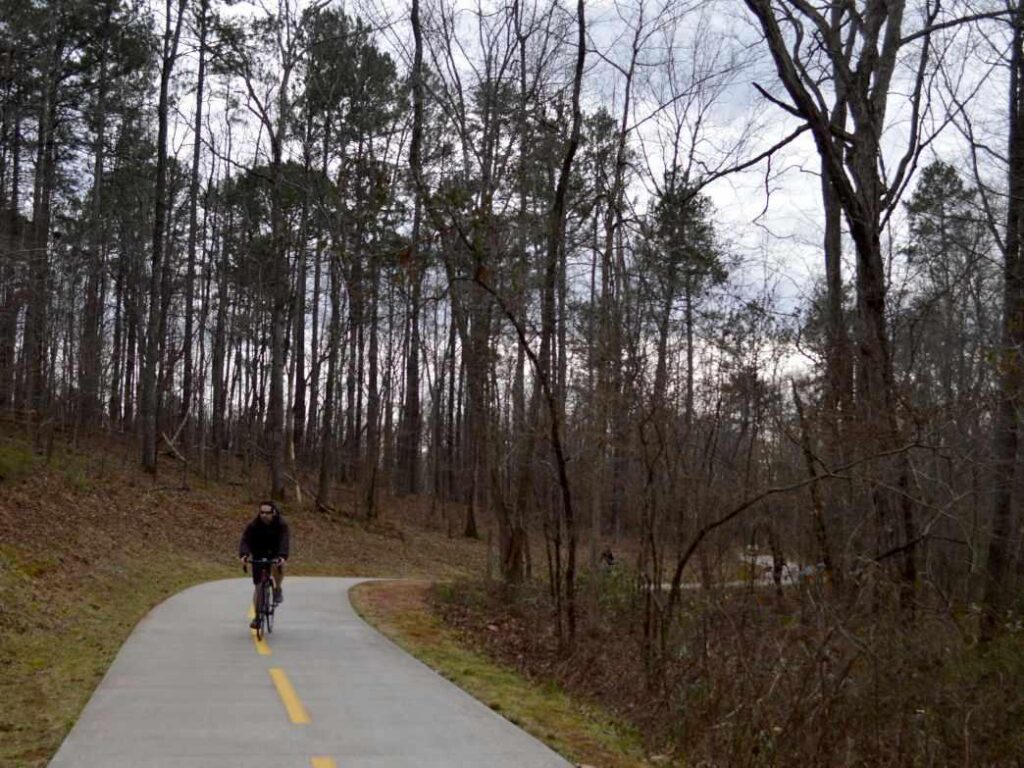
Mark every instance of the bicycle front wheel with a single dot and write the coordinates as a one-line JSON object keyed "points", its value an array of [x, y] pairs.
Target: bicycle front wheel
{"points": [[268, 605], [260, 612]]}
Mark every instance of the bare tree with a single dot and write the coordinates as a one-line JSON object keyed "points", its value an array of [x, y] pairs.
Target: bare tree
{"points": [[149, 406], [862, 52]]}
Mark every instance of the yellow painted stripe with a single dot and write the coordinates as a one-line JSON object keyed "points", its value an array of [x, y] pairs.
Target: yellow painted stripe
{"points": [[261, 645], [296, 712], [324, 762]]}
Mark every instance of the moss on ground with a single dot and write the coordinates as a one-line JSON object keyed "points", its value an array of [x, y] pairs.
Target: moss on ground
{"points": [[16, 461]]}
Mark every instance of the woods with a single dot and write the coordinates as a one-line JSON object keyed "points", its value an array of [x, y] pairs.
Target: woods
{"points": [[564, 269]]}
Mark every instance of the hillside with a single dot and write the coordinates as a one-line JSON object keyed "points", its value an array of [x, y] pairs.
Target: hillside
{"points": [[88, 544]]}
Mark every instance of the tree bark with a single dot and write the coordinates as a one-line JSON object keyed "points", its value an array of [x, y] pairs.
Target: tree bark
{"points": [[372, 463], [11, 300], [37, 309], [187, 395], [556, 242], [411, 427], [1006, 432], [327, 436], [852, 163], [149, 405], [89, 358]]}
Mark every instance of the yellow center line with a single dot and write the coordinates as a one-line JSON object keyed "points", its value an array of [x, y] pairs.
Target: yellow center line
{"points": [[296, 711], [324, 762], [261, 645]]}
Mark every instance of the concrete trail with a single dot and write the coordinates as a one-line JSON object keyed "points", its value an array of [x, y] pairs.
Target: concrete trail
{"points": [[190, 689]]}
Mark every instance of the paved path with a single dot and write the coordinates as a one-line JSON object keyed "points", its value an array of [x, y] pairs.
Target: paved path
{"points": [[191, 689]]}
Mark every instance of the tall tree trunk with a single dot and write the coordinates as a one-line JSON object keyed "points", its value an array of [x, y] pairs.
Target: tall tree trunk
{"points": [[167, 351], [279, 291], [314, 385], [1006, 432], [36, 313], [327, 436], [555, 246], [11, 302], [298, 416], [149, 404], [513, 534], [209, 235], [817, 505], [117, 361], [838, 394], [37, 310], [220, 352], [133, 319], [312, 419], [89, 359], [475, 362], [372, 402], [852, 159], [353, 375], [187, 394], [411, 428], [298, 431]]}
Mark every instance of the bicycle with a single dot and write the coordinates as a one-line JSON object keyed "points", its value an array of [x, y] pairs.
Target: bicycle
{"points": [[263, 598]]}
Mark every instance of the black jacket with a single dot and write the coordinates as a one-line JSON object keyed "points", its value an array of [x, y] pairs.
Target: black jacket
{"points": [[265, 539]]}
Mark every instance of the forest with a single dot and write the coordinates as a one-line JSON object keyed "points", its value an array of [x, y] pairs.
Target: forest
{"points": [[729, 293]]}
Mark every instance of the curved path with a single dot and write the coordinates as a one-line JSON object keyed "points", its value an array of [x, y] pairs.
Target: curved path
{"points": [[191, 689]]}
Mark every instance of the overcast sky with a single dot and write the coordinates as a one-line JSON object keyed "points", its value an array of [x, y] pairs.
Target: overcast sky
{"points": [[770, 215]]}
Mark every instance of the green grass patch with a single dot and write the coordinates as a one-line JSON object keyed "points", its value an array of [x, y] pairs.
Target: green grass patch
{"points": [[580, 731], [77, 480], [57, 640], [16, 461]]}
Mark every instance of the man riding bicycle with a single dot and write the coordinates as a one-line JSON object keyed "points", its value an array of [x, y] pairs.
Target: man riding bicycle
{"points": [[266, 538]]}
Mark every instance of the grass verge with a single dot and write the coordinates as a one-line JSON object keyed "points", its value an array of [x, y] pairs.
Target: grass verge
{"points": [[581, 732], [58, 643]]}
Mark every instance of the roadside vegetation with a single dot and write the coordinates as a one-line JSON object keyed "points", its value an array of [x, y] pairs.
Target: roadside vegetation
{"points": [[751, 676], [578, 728]]}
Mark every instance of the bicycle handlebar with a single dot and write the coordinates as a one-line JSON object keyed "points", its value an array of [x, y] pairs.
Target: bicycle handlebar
{"points": [[260, 561]]}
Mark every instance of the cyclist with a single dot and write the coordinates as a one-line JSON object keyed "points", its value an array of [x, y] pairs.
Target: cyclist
{"points": [[266, 537]]}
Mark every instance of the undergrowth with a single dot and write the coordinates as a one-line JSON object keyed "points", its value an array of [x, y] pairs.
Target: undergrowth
{"points": [[746, 678]]}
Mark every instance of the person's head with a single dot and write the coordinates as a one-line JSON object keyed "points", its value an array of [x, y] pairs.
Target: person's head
{"points": [[267, 511]]}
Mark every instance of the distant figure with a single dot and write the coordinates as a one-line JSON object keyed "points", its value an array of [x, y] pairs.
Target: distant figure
{"points": [[607, 559], [266, 537]]}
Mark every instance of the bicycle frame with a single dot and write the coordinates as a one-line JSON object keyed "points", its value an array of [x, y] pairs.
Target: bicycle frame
{"points": [[263, 597]]}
